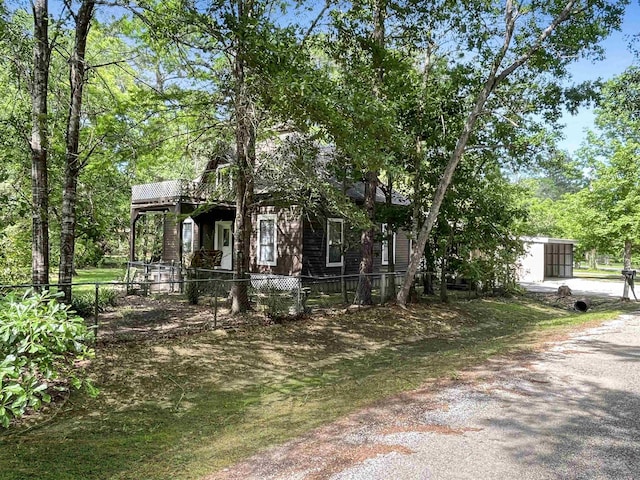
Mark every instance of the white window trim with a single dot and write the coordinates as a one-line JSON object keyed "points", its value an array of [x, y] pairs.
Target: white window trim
{"points": [[219, 175], [193, 236], [341, 222], [274, 217], [383, 260]]}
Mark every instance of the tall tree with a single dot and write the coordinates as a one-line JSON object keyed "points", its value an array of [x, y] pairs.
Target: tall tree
{"points": [[363, 294], [226, 45], [607, 212], [245, 140], [574, 26], [39, 145], [73, 163]]}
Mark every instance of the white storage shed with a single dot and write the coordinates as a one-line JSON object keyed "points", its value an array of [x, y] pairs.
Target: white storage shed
{"points": [[546, 258]]}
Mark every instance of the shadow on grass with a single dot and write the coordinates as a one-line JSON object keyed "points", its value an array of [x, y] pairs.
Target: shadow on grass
{"points": [[184, 407]]}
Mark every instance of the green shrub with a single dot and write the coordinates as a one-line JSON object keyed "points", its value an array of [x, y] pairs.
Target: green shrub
{"points": [[107, 297], [40, 343], [84, 303]]}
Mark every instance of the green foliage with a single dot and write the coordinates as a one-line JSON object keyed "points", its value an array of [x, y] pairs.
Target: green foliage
{"points": [[15, 258], [212, 389], [84, 304], [605, 214], [40, 343]]}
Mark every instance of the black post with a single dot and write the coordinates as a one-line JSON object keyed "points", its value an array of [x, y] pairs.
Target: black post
{"points": [[215, 305], [95, 312]]}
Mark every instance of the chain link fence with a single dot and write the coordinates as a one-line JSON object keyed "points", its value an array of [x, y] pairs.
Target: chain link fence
{"points": [[164, 300]]}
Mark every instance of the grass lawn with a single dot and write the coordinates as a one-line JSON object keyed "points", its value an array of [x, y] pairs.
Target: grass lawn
{"points": [[96, 275], [188, 406], [602, 271]]}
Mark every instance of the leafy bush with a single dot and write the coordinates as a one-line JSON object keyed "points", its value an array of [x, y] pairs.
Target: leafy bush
{"points": [[15, 254], [84, 303], [40, 344]]}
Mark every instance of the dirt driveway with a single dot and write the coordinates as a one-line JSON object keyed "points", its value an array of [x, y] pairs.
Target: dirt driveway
{"points": [[570, 412]]}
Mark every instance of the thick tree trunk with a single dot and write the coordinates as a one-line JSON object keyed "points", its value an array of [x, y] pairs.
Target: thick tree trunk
{"points": [[363, 295], [39, 146], [626, 260], [391, 265], [244, 182], [73, 165]]}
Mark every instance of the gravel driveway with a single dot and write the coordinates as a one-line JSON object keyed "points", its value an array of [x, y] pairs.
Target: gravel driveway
{"points": [[581, 287], [572, 412]]}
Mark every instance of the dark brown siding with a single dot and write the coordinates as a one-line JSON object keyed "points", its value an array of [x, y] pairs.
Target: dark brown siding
{"points": [[289, 241], [315, 250], [171, 246]]}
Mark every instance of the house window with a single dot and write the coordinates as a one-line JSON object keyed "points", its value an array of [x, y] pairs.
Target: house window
{"points": [[385, 246], [223, 176], [267, 240], [187, 236], [335, 239]]}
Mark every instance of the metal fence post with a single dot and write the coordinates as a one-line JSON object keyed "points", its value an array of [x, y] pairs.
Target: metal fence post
{"points": [[215, 304], [95, 312]]}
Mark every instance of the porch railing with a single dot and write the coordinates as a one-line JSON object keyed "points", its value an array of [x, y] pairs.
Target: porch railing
{"points": [[177, 189]]}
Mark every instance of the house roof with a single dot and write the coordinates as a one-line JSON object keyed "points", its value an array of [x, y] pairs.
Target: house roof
{"points": [[547, 240], [356, 192], [278, 149]]}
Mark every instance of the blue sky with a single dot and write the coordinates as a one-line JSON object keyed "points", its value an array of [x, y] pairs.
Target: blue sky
{"points": [[618, 58]]}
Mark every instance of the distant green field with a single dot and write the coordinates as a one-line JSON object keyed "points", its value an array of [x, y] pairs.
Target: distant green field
{"points": [[602, 271], [97, 275]]}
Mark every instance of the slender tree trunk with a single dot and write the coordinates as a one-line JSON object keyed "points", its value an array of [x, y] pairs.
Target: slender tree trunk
{"points": [[39, 146], [626, 265], [73, 165], [427, 226], [343, 267], [245, 133], [494, 78], [444, 297], [363, 296]]}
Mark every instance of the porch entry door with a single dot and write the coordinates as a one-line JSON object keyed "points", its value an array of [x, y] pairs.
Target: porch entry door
{"points": [[223, 241]]}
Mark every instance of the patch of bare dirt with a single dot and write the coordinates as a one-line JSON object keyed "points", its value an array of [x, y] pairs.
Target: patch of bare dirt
{"points": [[567, 302], [140, 318], [347, 442]]}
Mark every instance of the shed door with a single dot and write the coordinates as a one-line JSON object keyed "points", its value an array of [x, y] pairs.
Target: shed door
{"points": [[558, 260]]}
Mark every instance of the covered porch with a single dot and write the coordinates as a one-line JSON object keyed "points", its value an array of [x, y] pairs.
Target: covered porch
{"points": [[172, 220]]}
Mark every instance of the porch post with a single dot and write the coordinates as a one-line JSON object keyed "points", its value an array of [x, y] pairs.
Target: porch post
{"points": [[132, 235]]}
